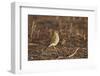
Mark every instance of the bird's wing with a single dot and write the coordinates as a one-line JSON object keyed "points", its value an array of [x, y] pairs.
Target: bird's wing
{"points": [[53, 38]]}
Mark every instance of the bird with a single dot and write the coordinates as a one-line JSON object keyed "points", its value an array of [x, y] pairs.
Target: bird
{"points": [[54, 39]]}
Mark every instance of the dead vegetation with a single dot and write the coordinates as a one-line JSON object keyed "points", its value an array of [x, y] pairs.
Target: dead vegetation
{"points": [[73, 33]]}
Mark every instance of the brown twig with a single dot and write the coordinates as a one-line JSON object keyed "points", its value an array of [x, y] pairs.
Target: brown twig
{"points": [[32, 29], [73, 53]]}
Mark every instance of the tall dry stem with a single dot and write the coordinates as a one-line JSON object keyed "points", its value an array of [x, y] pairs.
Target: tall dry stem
{"points": [[32, 30]]}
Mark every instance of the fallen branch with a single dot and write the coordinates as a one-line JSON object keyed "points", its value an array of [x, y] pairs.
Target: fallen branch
{"points": [[73, 53]]}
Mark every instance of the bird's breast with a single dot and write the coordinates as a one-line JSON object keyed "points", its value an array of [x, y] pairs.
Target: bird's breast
{"points": [[56, 40]]}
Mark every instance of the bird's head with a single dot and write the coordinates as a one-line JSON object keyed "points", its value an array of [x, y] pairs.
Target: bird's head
{"points": [[55, 31]]}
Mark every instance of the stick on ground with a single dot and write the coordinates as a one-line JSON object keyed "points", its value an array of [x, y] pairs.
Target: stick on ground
{"points": [[73, 53]]}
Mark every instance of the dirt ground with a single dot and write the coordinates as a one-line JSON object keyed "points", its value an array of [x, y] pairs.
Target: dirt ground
{"points": [[73, 36]]}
